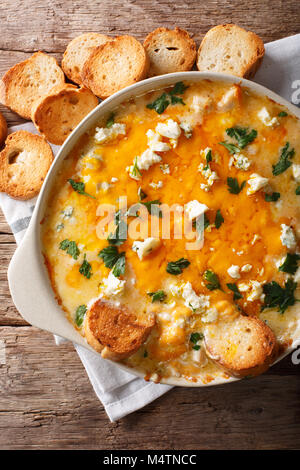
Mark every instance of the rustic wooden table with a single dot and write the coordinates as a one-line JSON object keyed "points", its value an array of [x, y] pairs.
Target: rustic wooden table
{"points": [[46, 398]]}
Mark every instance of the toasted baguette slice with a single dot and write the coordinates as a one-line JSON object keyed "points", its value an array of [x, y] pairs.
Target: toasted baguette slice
{"points": [[28, 81], [58, 113], [115, 332], [115, 65], [242, 346], [77, 53], [24, 163], [170, 51], [230, 49], [3, 129]]}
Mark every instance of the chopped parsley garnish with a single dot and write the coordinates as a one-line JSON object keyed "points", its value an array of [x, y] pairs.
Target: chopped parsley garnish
{"points": [[197, 223], [153, 207], [70, 247], [212, 280], [135, 170], [79, 187], [176, 267], [230, 147], [282, 114], [277, 296], [111, 120], [242, 135], [119, 267], [120, 234], [297, 191], [163, 101], [290, 264], [272, 197], [236, 293], [113, 259], [219, 219], [141, 194], [208, 158], [284, 161], [79, 315], [145, 353], [194, 338], [233, 185], [86, 269], [158, 296]]}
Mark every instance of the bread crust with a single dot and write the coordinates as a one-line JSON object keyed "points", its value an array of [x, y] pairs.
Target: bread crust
{"points": [[115, 331], [24, 163], [3, 130], [115, 65], [243, 346], [170, 51], [78, 52], [227, 38], [58, 113], [29, 80]]}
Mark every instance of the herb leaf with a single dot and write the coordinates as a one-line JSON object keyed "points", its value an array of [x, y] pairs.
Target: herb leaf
{"points": [[113, 259], [272, 197], [70, 247], [233, 185], [242, 135], [120, 234], [79, 187], [236, 293], [194, 338], [230, 147], [176, 267], [79, 315], [282, 114], [277, 296], [162, 102], [141, 194], [158, 296], [219, 219], [212, 280], [153, 207], [111, 120], [284, 161], [119, 267], [297, 191], [290, 264], [199, 226], [86, 269]]}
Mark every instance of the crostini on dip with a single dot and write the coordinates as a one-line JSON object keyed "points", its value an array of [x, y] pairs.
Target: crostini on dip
{"points": [[222, 165]]}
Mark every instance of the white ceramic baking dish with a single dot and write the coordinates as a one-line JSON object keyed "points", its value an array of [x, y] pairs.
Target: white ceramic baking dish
{"points": [[28, 278]]}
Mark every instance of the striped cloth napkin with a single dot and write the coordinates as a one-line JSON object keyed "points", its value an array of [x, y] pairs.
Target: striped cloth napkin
{"points": [[120, 392]]}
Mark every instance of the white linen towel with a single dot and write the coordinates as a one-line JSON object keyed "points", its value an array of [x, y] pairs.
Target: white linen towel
{"points": [[120, 392]]}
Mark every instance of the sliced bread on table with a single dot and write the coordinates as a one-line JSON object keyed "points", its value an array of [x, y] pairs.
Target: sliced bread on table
{"points": [[58, 113], [77, 53], [170, 51], [115, 65], [3, 129], [115, 331], [230, 49], [242, 346], [28, 81], [24, 163]]}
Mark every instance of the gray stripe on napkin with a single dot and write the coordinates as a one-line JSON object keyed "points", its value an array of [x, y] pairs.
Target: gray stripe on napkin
{"points": [[20, 224]]}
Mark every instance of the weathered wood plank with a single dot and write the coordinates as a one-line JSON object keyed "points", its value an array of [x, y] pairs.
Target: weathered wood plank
{"points": [[49, 24], [47, 402]]}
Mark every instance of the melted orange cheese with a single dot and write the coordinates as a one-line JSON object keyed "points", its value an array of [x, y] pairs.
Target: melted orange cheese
{"points": [[250, 233]]}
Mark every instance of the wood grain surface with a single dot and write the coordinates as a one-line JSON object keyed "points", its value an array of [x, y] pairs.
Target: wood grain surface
{"points": [[46, 399]]}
